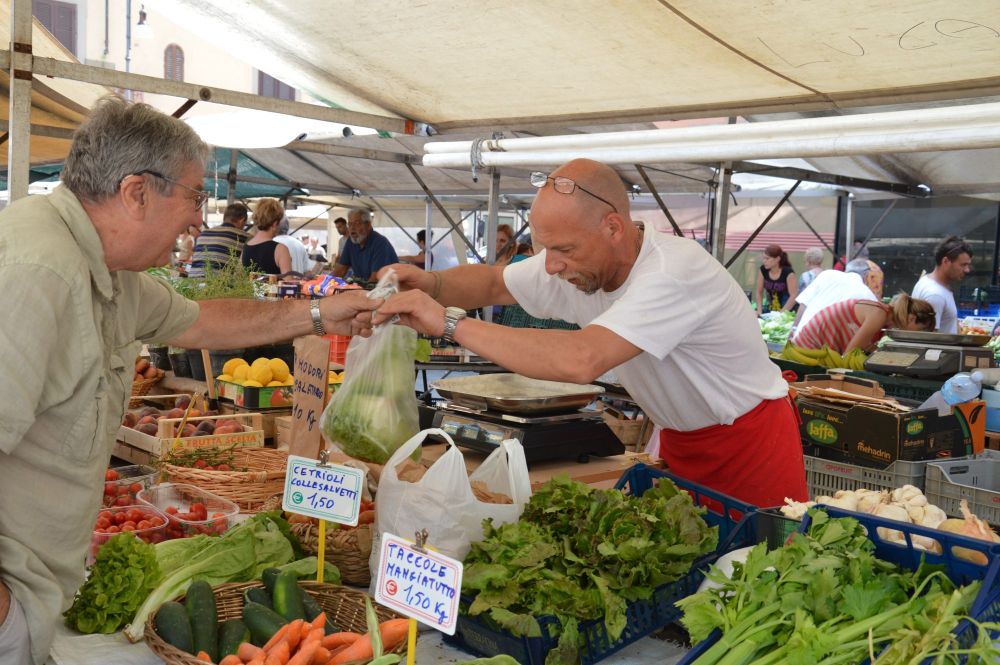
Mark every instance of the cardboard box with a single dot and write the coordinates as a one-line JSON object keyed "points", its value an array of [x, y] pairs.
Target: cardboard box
{"points": [[269, 417], [157, 446], [877, 436], [282, 432]]}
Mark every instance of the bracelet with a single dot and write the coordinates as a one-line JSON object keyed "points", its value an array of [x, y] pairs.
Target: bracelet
{"points": [[437, 285], [317, 318]]}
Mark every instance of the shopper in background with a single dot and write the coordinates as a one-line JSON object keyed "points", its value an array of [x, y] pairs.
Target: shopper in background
{"points": [[341, 225], [132, 181], [655, 308], [776, 283], [302, 263], [858, 323], [814, 266], [368, 252], [186, 244], [860, 280], [506, 245], [262, 252], [215, 247], [419, 259], [952, 261]]}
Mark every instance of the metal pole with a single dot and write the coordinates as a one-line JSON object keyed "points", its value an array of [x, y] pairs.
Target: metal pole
{"points": [[720, 211], [659, 201], [393, 219], [444, 212], [813, 229], [492, 221], [128, 44], [428, 234], [19, 145], [877, 224], [231, 178], [849, 225], [760, 228], [464, 217]]}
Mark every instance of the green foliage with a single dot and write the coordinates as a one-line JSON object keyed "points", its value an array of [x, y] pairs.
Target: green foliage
{"points": [[123, 574], [232, 280], [581, 554]]}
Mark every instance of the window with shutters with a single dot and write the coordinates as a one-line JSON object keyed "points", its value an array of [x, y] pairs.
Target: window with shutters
{"points": [[59, 18], [173, 63], [268, 86]]}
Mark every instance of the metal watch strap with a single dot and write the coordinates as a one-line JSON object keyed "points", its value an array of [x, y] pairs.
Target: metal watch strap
{"points": [[317, 318], [451, 319]]}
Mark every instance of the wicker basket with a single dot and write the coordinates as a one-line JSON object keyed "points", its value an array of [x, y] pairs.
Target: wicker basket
{"points": [[248, 489], [141, 389], [344, 607], [347, 549]]}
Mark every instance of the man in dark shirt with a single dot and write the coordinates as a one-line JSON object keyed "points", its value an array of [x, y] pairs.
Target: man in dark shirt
{"points": [[214, 247], [367, 252]]}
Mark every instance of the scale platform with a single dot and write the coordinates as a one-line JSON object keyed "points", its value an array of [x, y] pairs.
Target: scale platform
{"points": [[922, 360], [573, 435]]}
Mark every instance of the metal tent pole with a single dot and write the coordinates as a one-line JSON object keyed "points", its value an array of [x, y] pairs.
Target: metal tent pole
{"points": [[19, 144], [492, 221], [760, 228], [428, 234], [720, 211]]}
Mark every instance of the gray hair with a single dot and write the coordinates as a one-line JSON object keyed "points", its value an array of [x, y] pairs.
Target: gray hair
{"points": [[365, 215], [119, 139], [283, 226], [814, 256], [858, 266]]}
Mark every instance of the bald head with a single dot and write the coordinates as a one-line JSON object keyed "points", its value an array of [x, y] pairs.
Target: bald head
{"points": [[595, 181]]}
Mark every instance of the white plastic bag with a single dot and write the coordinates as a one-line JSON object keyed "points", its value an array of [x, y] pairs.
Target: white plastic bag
{"points": [[443, 502]]}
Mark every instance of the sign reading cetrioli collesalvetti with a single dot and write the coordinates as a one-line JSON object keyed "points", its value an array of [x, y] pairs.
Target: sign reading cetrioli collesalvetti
{"points": [[328, 492]]}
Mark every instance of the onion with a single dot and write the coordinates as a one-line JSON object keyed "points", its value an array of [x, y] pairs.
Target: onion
{"points": [[973, 527]]}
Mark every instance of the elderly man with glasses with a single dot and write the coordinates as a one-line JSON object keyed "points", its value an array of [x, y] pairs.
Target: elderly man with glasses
{"points": [[657, 309], [77, 307]]}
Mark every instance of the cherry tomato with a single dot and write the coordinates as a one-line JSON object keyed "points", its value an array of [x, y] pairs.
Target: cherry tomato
{"points": [[223, 467], [366, 517], [111, 474], [112, 529], [106, 514], [133, 514], [143, 524], [135, 488], [200, 464], [171, 510], [123, 501], [122, 490], [120, 518], [156, 520], [102, 523], [128, 527]]}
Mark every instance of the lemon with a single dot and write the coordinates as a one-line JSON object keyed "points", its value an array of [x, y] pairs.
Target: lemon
{"points": [[279, 369], [274, 383], [225, 377], [261, 374], [231, 365], [253, 384], [260, 362], [241, 373], [290, 381]]}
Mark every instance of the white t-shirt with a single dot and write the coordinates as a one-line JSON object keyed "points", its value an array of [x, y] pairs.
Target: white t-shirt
{"points": [[301, 262], [942, 300], [703, 361], [829, 288]]}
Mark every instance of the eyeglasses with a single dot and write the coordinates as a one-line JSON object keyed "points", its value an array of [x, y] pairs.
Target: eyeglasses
{"points": [[199, 199], [564, 186]]}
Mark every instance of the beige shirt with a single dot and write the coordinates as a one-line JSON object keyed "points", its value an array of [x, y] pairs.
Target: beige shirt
{"points": [[69, 335]]}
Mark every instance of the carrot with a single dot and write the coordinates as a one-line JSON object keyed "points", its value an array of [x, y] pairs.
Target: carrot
{"points": [[362, 649], [393, 632], [334, 640], [248, 652], [304, 631], [231, 659], [279, 655], [293, 636], [321, 656], [204, 656], [319, 621], [305, 654], [277, 637], [257, 660], [316, 634]]}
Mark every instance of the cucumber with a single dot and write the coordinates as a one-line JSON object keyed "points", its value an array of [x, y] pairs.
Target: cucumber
{"points": [[269, 576], [262, 622], [201, 611], [287, 597], [259, 595], [313, 610], [173, 626], [232, 634]]}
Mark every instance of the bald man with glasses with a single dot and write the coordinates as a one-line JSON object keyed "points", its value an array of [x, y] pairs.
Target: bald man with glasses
{"points": [[657, 309]]}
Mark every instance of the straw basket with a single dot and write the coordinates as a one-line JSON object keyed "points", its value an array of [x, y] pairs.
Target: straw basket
{"points": [[347, 549], [344, 607], [265, 476], [141, 389]]}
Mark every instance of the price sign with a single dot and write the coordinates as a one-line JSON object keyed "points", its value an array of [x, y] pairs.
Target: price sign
{"points": [[328, 492], [312, 362], [419, 583]]}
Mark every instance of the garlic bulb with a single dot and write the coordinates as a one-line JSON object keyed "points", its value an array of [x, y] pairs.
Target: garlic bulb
{"points": [[933, 517], [796, 509], [869, 502]]}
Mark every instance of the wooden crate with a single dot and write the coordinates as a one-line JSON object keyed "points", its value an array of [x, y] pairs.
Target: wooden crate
{"points": [[269, 417], [283, 432], [160, 444]]}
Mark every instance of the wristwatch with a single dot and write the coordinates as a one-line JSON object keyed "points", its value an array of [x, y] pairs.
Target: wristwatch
{"points": [[452, 315], [317, 318]]}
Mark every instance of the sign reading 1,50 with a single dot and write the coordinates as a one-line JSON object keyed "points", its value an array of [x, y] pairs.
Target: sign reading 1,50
{"points": [[318, 502], [419, 600]]}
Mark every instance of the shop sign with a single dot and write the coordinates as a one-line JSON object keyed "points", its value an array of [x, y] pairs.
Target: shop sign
{"points": [[419, 583]]}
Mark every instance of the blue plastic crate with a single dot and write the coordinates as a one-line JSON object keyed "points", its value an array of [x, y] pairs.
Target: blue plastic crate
{"points": [[987, 604], [477, 636]]}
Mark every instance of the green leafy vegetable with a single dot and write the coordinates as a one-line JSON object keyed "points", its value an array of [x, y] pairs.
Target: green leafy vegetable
{"points": [[305, 569], [123, 574], [776, 326], [582, 554]]}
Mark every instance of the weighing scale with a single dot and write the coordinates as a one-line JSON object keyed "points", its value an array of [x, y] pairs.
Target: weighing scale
{"points": [[923, 354], [547, 417], [573, 435]]}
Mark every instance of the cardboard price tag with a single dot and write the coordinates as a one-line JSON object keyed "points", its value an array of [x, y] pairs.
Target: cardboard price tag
{"points": [[420, 584], [312, 357], [327, 492]]}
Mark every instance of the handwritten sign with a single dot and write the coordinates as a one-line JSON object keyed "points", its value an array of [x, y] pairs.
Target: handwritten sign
{"points": [[422, 585], [312, 362], [328, 492]]}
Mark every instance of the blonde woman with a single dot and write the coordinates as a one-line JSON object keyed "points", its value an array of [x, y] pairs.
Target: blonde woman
{"points": [[262, 251], [858, 324]]}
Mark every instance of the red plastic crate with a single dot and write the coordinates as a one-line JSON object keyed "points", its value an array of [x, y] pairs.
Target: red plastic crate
{"points": [[338, 347]]}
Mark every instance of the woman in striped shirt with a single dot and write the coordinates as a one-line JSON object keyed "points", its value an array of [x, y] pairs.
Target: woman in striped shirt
{"points": [[857, 324]]}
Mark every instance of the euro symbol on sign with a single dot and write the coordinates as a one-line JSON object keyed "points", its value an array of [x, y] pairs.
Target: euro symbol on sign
{"points": [[297, 497], [390, 588]]}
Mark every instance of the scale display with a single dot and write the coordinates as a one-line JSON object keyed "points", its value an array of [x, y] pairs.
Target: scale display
{"points": [[470, 429], [894, 358]]}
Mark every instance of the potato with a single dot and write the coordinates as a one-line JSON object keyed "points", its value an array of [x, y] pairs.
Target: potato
{"points": [[150, 372], [141, 366]]}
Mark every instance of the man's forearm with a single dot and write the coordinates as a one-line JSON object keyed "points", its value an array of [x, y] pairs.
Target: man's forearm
{"points": [[4, 602], [473, 286], [235, 324]]}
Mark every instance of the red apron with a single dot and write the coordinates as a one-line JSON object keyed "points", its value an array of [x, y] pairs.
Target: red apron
{"points": [[757, 459]]}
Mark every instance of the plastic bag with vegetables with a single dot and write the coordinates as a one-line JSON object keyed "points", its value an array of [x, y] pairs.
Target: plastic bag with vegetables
{"points": [[375, 410]]}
